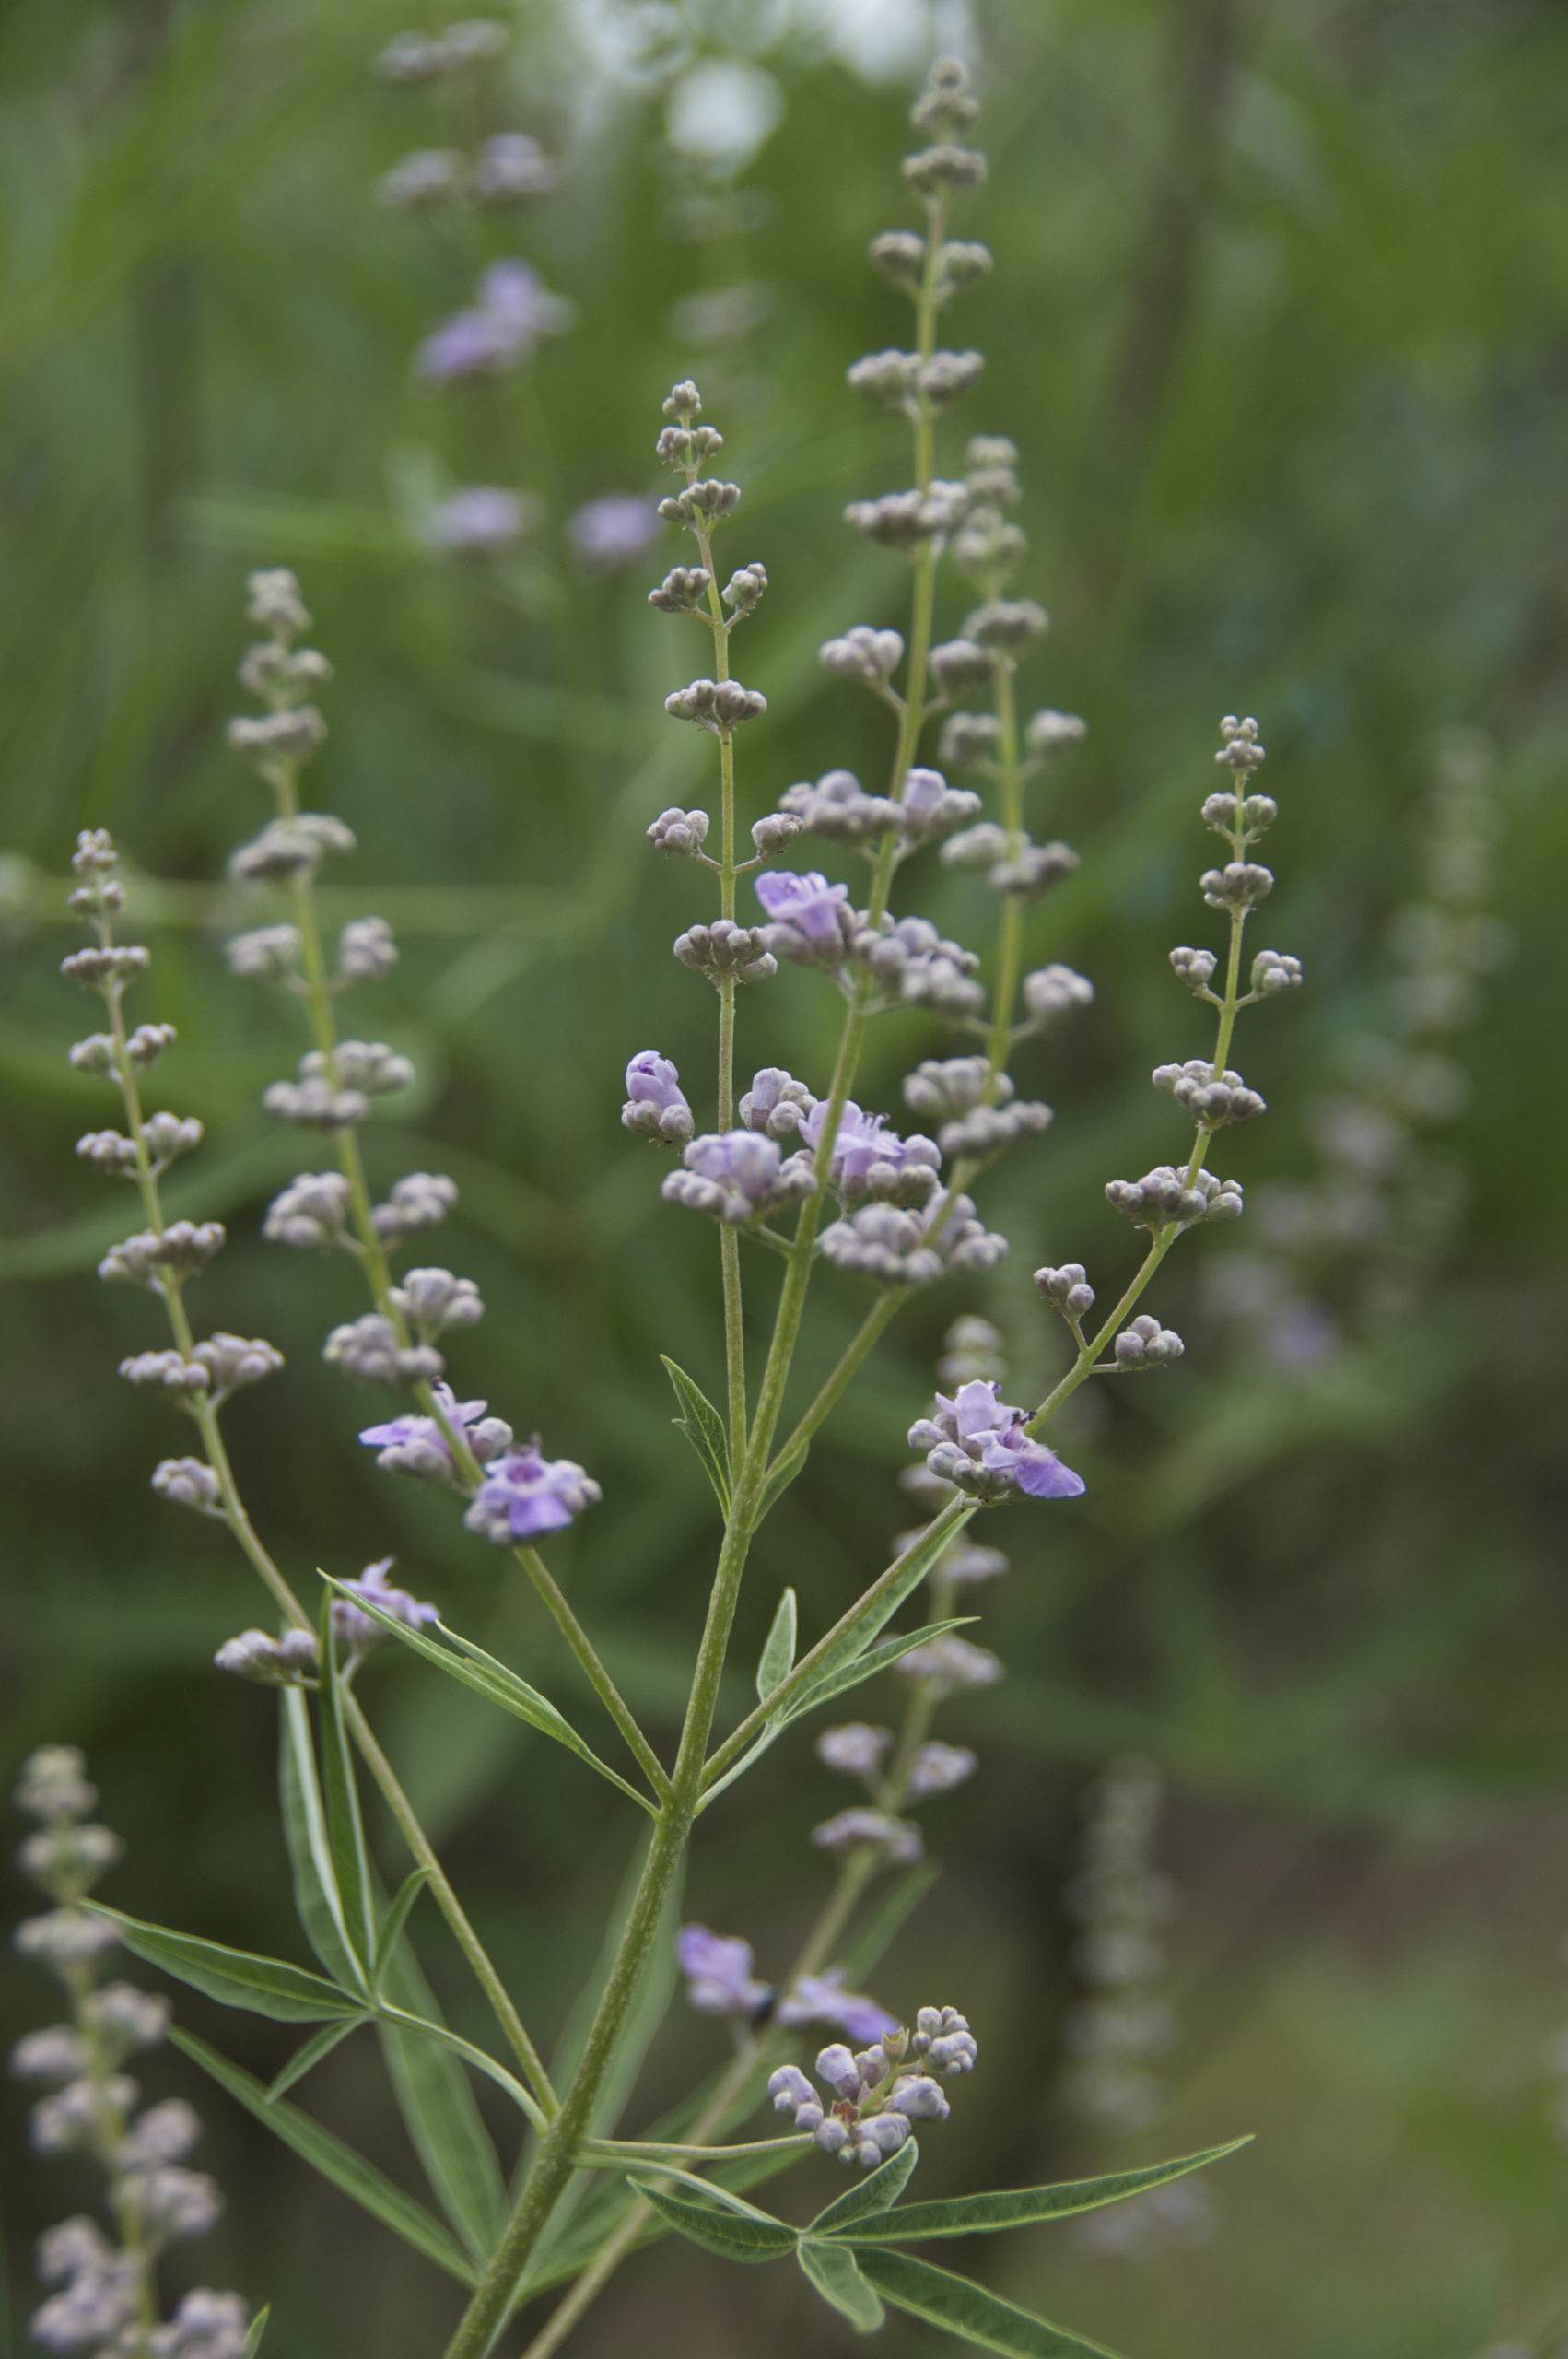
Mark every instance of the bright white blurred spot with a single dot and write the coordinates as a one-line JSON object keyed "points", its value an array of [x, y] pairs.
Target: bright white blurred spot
{"points": [[884, 39], [722, 111]]}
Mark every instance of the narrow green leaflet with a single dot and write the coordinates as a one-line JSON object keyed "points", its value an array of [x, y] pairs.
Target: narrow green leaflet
{"points": [[876, 2192], [346, 1828], [734, 2236], [1019, 2207], [346, 2170], [703, 1428], [778, 1654], [402, 2021], [916, 1563], [258, 2328], [435, 2099], [316, 1896], [845, 2288], [724, 2196], [469, 1664], [388, 1932], [266, 1986], [305, 2059], [784, 1472], [970, 2312], [849, 1675]]}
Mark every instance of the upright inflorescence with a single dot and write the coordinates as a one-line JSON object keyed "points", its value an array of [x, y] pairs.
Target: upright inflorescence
{"points": [[107, 2298]]}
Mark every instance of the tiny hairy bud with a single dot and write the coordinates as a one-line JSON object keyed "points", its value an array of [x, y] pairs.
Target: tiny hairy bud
{"points": [[683, 402], [369, 1346], [432, 1300], [945, 167], [946, 102], [775, 831], [900, 255], [947, 376], [865, 654], [427, 177], [367, 950], [962, 264], [1006, 622], [744, 591], [273, 604], [889, 377], [726, 948], [268, 953], [1147, 1344], [419, 1199], [1196, 968], [970, 739], [1240, 885], [1163, 1196], [1241, 751], [189, 1482], [684, 591], [1274, 971], [717, 705], [509, 168], [1211, 1099], [679, 831], [959, 664], [1047, 733], [1067, 1288], [106, 972]]}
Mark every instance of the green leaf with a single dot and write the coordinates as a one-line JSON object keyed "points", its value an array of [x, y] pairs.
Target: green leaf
{"points": [[252, 2342], [401, 2020], [727, 2200], [845, 2289], [783, 1474], [874, 2192], [731, 2234], [703, 1428], [882, 1924], [1019, 2207], [850, 1674], [968, 2311], [316, 1896], [779, 1653], [390, 1932], [304, 2060], [346, 1828], [472, 1667], [266, 1986], [435, 2099], [346, 2170]]}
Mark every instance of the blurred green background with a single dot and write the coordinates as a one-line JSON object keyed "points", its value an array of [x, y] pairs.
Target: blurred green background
{"points": [[1278, 319]]}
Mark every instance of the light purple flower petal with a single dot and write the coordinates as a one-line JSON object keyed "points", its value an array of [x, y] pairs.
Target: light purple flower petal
{"points": [[652, 1080], [1037, 1471], [717, 1967], [807, 902], [614, 529], [822, 1999]]}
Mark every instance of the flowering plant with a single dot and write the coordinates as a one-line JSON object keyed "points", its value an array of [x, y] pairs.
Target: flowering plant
{"points": [[788, 1170]]}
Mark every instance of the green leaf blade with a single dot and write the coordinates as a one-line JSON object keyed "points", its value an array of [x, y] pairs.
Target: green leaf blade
{"points": [[965, 2310], [439, 2111], [729, 2233], [778, 1659], [1021, 2207], [844, 2289], [346, 1828], [316, 1896], [305, 2059], [704, 1428], [844, 1675], [876, 2192], [784, 1472], [252, 2342], [263, 1985], [347, 2171]]}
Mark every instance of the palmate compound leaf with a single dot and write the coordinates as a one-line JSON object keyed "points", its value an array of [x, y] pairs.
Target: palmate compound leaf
{"points": [[1018, 2207], [348, 2171], [703, 1428], [472, 1667], [265, 1986]]}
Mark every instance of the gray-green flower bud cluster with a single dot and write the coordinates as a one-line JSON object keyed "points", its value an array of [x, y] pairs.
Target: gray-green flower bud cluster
{"points": [[719, 705], [370, 1346], [177, 1251], [1012, 865], [311, 1211], [900, 1248], [1145, 1344], [419, 1199], [1165, 1195], [725, 948], [986, 1132], [287, 849], [1211, 1099], [1067, 1290], [167, 1136], [432, 1300]]}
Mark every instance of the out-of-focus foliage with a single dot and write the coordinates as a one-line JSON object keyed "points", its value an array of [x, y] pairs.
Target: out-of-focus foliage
{"points": [[1278, 318]]}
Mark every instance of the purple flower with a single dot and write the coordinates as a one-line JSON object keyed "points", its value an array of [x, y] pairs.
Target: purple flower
{"points": [[477, 521], [822, 1999], [809, 903], [515, 308], [744, 1160], [526, 1492], [614, 529], [718, 1968], [977, 1441], [415, 1445], [652, 1080], [356, 1629], [899, 1838]]}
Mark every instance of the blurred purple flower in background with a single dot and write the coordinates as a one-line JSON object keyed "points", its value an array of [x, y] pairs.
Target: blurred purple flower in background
{"points": [[614, 529]]}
